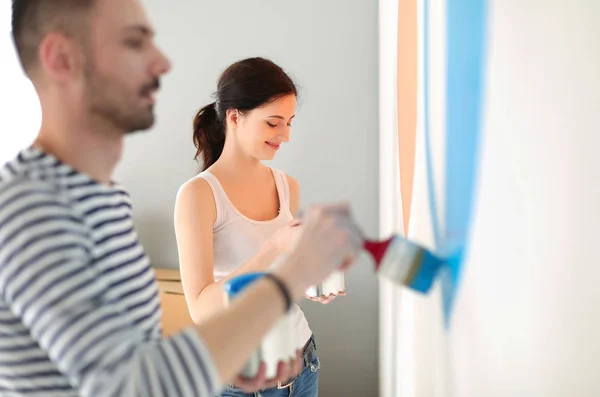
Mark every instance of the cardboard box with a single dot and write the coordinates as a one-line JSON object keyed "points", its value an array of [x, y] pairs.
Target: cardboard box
{"points": [[175, 314]]}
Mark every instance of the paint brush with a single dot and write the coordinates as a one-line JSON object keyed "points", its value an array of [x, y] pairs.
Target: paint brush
{"points": [[404, 263], [398, 260]]}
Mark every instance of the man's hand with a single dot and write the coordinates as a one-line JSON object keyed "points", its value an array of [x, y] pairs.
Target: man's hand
{"points": [[285, 237], [330, 240], [285, 372]]}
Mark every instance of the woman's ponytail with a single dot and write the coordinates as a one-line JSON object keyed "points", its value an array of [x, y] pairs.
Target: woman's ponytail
{"points": [[209, 135]]}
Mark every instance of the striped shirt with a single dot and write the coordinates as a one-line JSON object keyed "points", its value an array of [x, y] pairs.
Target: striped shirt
{"points": [[79, 306]]}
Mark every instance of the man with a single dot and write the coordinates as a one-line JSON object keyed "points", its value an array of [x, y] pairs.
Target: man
{"points": [[79, 308]]}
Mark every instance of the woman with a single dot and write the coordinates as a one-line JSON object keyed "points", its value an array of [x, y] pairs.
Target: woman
{"points": [[252, 219]]}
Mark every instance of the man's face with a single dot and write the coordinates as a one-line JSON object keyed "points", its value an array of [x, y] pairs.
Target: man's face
{"points": [[123, 65]]}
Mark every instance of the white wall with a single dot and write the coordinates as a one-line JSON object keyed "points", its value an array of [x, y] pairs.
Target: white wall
{"points": [[528, 311], [528, 317], [21, 115], [331, 51]]}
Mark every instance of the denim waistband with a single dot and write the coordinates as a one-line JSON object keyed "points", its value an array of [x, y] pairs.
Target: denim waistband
{"points": [[309, 352]]}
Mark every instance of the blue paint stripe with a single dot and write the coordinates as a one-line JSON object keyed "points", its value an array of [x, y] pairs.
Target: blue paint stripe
{"points": [[465, 62], [463, 102], [465, 33]]}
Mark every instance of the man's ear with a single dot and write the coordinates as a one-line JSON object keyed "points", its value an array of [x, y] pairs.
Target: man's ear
{"points": [[60, 56]]}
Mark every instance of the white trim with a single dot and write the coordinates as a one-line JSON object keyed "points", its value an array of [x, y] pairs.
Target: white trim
{"points": [[395, 342]]}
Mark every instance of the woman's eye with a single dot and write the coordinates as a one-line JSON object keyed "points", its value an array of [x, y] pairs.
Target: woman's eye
{"points": [[271, 125]]}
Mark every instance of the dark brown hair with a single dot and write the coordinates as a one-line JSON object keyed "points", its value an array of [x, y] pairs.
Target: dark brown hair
{"points": [[245, 85], [33, 19]]}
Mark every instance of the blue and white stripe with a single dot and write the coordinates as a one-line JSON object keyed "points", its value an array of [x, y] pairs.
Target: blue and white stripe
{"points": [[79, 306]]}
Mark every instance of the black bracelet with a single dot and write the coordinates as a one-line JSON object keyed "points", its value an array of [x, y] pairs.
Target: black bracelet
{"points": [[284, 290]]}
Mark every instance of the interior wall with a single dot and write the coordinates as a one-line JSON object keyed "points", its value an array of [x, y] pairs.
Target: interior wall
{"points": [[527, 312], [331, 52]]}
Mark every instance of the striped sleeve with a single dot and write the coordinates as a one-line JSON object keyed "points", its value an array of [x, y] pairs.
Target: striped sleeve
{"points": [[47, 280]]}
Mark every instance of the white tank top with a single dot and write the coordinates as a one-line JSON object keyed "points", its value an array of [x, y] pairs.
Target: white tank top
{"points": [[237, 238]]}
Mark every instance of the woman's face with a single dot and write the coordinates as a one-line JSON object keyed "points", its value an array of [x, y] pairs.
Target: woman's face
{"points": [[261, 131]]}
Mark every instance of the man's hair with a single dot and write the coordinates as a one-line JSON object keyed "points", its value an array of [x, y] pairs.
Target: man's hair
{"points": [[34, 19]]}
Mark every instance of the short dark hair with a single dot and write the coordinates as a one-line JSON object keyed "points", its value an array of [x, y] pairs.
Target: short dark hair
{"points": [[245, 85], [33, 19]]}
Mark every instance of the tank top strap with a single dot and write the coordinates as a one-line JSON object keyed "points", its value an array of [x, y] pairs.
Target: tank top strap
{"points": [[219, 197], [283, 189]]}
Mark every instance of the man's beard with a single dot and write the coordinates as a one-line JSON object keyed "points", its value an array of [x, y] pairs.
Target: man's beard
{"points": [[109, 101]]}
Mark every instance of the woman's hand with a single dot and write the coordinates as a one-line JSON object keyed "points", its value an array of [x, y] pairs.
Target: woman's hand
{"points": [[324, 299]]}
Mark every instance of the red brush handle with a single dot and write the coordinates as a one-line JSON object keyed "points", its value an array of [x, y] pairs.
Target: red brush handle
{"points": [[377, 249]]}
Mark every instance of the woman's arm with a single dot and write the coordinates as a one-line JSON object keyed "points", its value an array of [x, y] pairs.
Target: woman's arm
{"points": [[294, 195], [195, 214]]}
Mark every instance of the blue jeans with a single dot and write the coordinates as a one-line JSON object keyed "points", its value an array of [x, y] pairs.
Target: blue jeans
{"points": [[306, 384]]}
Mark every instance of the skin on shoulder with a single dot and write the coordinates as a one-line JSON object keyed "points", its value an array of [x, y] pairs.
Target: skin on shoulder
{"points": [[195, 214], [294, 195]]}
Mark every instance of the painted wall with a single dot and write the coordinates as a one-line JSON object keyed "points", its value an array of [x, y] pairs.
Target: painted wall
{"points": [[528, 311], [528, 316]]}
